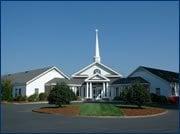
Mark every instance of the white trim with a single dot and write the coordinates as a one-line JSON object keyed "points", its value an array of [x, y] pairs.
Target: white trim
{"points": [[74, 85], [111, 70], [61, 72], [97, 74], [73, 75], [85, 68], [45, 73]]}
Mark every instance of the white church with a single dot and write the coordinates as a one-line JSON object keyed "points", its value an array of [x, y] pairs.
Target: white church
{"points": [[95, 81]]}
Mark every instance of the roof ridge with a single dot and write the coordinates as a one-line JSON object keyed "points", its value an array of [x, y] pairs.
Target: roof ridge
{"points": [[159, 69], [48, 67]]}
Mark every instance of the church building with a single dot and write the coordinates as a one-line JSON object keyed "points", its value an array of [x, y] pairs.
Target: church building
{"points": [[95, 81]]}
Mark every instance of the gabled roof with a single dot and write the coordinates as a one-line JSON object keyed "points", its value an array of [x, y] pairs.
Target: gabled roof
{"points": [[163, 74], [21, 78], [130, 80], [98, 64], [97, 77]]}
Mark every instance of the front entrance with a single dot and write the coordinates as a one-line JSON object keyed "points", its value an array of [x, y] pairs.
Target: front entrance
{"points": [[97, 93]]}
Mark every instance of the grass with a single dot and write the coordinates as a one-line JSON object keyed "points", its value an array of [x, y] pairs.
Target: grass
{"points": [[99, 109]]}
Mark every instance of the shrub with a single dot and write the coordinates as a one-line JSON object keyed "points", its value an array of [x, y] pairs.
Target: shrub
{"points": [[61, 94], [43, 96], [154, 97], [160, 99], [20, 98], [33, 97], [163, 100], [6, 90], [117, 98], [136, 94], [105, 99]]}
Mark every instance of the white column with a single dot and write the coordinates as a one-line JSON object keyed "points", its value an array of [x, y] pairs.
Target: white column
{"points": [[103, 89], [87, 88], [107, 90], [91, 90]]}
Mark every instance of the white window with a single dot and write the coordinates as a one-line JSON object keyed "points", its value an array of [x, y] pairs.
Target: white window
{"points": [[158, 92], [36, 90], [97, 71]]}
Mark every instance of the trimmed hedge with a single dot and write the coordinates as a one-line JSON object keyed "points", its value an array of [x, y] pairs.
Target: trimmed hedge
{"points": [[43, 96], [158, 98], [33, 97], [20, 98], [117, 98]]}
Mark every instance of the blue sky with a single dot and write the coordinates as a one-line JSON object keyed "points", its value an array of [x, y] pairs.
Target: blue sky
{"points": [[40, 34]]}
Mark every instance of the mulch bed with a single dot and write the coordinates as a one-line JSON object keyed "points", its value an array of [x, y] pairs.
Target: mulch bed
{"points": [[66, 110], [74, 110], [141, 112]]}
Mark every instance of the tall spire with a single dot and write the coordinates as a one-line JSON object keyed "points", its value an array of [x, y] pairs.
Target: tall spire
{"points": [[97, 55]]}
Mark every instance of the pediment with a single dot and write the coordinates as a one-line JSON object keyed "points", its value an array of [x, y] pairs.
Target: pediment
{"points": [[89, 71], [97, 77]]}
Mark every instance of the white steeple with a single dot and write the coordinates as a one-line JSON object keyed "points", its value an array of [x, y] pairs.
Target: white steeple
{"points": [[97, 55]]}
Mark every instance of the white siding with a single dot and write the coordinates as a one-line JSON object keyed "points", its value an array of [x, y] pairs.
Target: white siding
{"points": [[40, 82], [154, 81]]}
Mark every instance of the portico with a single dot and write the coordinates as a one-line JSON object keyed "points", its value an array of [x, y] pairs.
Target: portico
{"points": [[97, 90]]}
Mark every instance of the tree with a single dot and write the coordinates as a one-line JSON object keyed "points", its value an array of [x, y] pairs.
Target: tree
{"points": [[6, 90], [136, 94], [61, 94]]}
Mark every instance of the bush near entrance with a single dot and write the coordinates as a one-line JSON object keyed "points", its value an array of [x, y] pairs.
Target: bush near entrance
{"points": [[136, 94], [61, 94]]}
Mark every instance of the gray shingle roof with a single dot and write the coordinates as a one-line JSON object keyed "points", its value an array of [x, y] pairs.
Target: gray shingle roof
{"points": [[22, 77], [78, 81], [58, 80], [167, 75], [129, 80]]}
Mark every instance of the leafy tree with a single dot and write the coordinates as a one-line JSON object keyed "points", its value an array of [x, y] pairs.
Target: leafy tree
{"points": [[6, 90], [136, 94], [61, 94]]}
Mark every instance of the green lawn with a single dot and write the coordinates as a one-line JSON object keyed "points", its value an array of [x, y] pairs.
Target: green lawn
{"points": [[99, 109]]}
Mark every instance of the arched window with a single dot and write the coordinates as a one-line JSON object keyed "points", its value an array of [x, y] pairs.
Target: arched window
{"points": [[97, 71]]}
